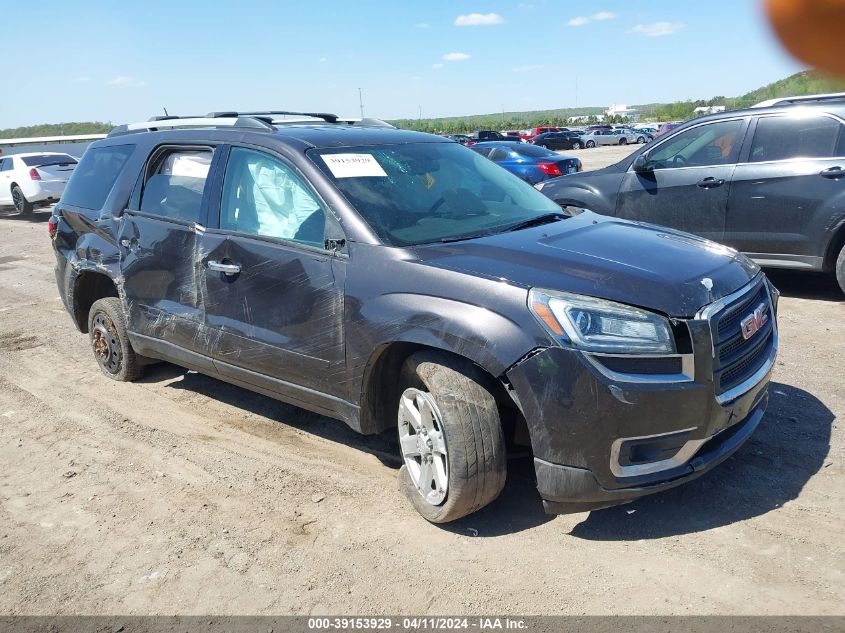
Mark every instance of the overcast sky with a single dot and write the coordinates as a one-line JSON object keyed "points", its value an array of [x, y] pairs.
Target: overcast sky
{"points": [[126, 61]]}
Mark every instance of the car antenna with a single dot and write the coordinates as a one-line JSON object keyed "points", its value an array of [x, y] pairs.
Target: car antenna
{"points": [[165, 111]]}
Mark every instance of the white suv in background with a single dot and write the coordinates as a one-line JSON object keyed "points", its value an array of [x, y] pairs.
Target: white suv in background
{"points": [[34, 179]]}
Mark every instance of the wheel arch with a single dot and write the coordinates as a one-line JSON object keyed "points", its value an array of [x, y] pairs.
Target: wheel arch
{"points": [[834, 246], [380, 388], [87, 287]]}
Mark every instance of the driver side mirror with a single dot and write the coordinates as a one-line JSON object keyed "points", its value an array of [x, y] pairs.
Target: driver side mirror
{"points": [[640, 164]]}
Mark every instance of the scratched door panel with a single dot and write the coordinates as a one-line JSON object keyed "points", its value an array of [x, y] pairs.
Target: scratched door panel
{"points": [[281, 315]]}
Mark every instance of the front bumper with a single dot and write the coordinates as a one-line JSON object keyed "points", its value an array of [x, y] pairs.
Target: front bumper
{"points": [[600, 440]]}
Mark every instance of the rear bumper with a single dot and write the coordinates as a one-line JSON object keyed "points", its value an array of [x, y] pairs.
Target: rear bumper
{"points": [[43, 190]]}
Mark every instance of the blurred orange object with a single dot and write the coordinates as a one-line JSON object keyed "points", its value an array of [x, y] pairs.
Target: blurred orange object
{"points": [[812, 30]]}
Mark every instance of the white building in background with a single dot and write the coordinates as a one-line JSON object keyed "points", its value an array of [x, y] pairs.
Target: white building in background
{"points": [[621, 109], [701, 110]]}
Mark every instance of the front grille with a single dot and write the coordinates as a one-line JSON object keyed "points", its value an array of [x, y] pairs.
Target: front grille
{"points": [[737, 358]]}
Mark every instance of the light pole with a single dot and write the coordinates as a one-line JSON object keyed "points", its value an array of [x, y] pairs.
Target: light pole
{"points": [[361, 102]]}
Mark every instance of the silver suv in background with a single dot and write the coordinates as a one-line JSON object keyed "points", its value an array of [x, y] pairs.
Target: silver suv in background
{"points": [[620, 136]]}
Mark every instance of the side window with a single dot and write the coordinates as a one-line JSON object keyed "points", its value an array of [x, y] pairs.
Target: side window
{"points": [[264, 196], [705, 145], [3, 164], [95, 175], [498, 155], [175, 183], [785, 137], [484, 151]]}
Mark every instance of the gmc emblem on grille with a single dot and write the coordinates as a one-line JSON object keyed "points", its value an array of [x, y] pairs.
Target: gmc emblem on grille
{"points": [[754, 321]]}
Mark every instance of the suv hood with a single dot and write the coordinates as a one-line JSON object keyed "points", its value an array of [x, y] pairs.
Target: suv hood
{"points": [[638, 264]]}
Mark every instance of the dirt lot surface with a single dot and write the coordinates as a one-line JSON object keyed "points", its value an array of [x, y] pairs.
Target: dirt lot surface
{"points": [[180, 494]]}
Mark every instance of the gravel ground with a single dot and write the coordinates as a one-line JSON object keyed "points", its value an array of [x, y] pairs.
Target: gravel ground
{"points": [[180, 494]]}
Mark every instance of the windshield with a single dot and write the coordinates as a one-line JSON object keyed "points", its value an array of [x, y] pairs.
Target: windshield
{"points": [[44, 160], [430, 192]]}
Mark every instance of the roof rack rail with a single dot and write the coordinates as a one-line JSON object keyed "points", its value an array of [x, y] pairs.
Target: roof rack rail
{"points": [[167, 122], [266, 120], [832, 96], [326, 116]]}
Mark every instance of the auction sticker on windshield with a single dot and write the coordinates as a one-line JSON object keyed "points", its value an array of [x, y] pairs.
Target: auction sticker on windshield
{"points": [[353, 165]]}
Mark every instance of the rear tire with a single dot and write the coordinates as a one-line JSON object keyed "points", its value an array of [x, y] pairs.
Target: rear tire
{"points": [[640, 140], [110, 342], [576, 146], [450, 437], [623, 141], [840, 269], [22, 205]]}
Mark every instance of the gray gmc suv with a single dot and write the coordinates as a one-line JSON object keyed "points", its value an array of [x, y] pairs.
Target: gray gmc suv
{"points": [[400, 282]]}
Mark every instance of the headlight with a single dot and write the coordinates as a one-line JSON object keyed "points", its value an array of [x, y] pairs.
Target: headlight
{"points": [[596, 325]]}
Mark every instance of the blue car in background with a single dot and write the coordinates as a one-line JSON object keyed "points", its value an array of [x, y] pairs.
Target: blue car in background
{"points": [[531, 163]]}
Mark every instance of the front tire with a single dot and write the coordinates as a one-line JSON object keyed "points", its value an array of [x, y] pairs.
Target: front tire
{"points": [[591, 144], [450, 438], [640, 140], [840, 269], [110, 342], [22, 205]]}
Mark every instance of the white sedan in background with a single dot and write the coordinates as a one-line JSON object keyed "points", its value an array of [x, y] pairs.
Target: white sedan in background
{"points": [[33, 180]]}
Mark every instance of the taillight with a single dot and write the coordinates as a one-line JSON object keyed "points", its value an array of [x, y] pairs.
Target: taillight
{"points": [[52, 225], [34, 175], [550, 169]]}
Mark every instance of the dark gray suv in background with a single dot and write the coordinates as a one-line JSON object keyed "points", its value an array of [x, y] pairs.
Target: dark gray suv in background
{"points": [[768, 181], [399, 281]]}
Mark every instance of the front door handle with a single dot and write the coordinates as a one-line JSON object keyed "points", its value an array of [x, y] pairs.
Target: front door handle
{"points": [[832, 172], [226, 269], [710, 182]]}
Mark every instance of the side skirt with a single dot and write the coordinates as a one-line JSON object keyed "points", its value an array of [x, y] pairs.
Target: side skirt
{"points": [[303, 397]]}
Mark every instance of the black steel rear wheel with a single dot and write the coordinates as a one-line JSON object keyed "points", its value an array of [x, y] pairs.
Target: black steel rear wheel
{"points": [[110, 343]]}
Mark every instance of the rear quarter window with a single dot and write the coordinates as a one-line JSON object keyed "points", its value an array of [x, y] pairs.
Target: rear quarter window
{"points": [[95, 175]]}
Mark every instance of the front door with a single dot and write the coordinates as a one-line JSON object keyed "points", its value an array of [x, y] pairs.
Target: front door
{"points": [[274, 293], [686, 182], [159, 240], [783, 192]]}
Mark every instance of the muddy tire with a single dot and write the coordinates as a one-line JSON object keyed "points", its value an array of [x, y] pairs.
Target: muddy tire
{"points": [[110, 343], [450, 436], [840, 269]]}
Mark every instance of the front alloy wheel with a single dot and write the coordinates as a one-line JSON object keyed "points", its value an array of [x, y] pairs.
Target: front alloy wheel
{"points": [[450, 436], [423, 445]]}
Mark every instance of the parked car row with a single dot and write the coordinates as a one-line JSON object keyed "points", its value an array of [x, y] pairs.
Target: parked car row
{"points": [[561, 137]]}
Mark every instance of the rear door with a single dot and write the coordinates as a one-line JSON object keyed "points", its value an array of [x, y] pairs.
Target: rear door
{"points": [[160, 245], [788, 187], [274, 291], [687, 180]]}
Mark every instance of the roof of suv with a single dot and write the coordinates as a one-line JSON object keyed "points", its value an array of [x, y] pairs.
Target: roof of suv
{"points": [[305, 134], [836, 107]]}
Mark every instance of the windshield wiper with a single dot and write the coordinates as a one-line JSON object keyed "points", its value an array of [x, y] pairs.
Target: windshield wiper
{"points": [[461, 238], [546, 218]]}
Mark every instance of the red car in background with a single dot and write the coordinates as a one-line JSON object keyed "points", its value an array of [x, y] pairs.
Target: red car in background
{"points": [[666, 127], [534, 131]]}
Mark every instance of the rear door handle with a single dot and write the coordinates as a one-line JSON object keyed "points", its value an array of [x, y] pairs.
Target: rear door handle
{"points": [[226, 269], [832, 172], [710, 182]]}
